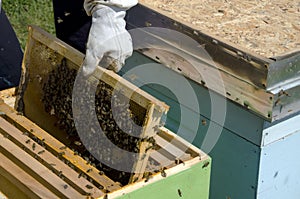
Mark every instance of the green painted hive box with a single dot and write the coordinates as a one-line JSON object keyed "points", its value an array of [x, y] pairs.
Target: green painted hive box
{"points": [[168, 168]]}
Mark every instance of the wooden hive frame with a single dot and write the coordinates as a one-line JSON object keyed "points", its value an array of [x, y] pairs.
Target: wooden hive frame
{"points": [[43, 167], [29, 93]]}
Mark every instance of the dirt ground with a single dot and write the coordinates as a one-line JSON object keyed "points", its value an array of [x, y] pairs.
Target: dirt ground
{"points": [[267, 27], [8, 96]]}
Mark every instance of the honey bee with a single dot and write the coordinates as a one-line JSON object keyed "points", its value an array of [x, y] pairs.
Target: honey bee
{"points": [[33, 146], [163, 173], [88, 186], [179, 192], [41, 152]]}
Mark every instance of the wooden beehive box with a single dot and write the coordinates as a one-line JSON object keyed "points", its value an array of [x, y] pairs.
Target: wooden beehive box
{"points": [[168, 165], [34, 164]]}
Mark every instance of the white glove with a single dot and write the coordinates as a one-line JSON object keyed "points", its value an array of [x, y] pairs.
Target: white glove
{"points": [[109, 42]]}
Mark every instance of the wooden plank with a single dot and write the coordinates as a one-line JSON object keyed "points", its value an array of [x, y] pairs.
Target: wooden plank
{"points": [[25, 182], [20, 91], [9, 188], [172, 149], [179, 142], [141, 163], [49, 160], [46, 177], [54, 146], [161, 159], [152, 121]]}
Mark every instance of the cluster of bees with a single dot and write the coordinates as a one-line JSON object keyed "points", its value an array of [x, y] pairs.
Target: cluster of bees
{"points": [[104, 109], [57, 96]]}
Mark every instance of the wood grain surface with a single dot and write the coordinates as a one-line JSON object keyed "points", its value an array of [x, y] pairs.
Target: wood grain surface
{"points": [[266, 27]]}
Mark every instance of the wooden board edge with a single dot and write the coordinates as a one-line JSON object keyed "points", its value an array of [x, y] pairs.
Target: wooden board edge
{"points": [[206, 161], [26, 183], [139, 96]]}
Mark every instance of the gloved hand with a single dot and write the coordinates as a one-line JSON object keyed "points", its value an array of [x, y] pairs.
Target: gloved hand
{"points": [[109, 43]]}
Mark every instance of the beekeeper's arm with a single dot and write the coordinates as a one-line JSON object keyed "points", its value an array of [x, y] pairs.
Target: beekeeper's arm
{"points": [[109, 42]]}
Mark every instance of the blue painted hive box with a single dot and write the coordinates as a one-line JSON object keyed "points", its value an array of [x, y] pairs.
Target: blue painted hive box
{"points": [[239, 107]]}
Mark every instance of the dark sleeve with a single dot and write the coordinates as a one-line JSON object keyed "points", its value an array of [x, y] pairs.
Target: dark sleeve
{"points": [[71, 22], [11, 55]]}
